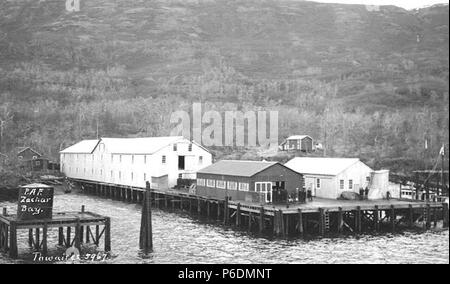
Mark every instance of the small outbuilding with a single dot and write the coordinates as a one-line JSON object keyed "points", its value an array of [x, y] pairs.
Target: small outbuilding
{"points": [[331, 177], [28, 153], [302, 143], [252, 181]]}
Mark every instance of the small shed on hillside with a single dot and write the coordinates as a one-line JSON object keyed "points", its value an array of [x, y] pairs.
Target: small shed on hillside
{"points": [[27, 153], [252, 181], [302, 143]]}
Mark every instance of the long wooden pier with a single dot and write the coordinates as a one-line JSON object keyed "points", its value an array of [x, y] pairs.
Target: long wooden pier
{"points": [[320, 217], [81, 222]]}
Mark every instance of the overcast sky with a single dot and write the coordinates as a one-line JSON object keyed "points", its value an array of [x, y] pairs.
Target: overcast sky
{"points": [[407, 4]]}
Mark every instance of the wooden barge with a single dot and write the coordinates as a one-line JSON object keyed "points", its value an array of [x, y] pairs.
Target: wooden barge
{"points": [[320, 217]]}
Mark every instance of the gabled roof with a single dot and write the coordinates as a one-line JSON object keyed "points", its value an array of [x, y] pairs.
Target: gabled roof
{"points": [[321, 166], [82, 147], [237, 168], [22, 149], [298, 137], [138, 146], [147, 145]]}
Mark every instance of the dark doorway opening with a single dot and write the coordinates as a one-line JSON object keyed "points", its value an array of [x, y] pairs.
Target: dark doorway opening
{"points": [[279, 192], [181, 162]]}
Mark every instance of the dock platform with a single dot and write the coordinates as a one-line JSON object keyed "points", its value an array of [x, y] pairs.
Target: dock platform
{"points": [[81, 222], [318, 217]]}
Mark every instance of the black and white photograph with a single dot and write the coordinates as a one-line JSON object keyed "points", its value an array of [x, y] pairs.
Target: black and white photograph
{"points": [[223, 138]]}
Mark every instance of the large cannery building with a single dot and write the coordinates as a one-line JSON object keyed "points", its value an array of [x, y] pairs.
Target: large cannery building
{"points": [[133, 161], [252, 181], [330, 177]]}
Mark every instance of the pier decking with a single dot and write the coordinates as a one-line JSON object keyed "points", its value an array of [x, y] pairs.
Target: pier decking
{"points": [[319, 217], [81, 222]]}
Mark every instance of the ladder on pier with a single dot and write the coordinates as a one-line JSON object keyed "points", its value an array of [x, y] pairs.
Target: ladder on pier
{"points": [[327, 221]]}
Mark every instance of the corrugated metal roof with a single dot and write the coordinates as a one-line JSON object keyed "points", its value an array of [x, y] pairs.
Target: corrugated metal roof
{"points": [[237, 168], [147, 145], [320, 166], [82, 147]]}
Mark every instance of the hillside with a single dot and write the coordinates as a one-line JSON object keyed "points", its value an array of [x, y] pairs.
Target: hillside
{"points": [[374, 79]]}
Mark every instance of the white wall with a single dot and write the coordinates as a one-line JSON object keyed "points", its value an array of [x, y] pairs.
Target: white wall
{"points": [[327, 187], [134, 170], [358, 174]]}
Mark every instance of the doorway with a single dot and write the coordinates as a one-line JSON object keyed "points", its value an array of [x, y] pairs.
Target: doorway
{"points": [[265, 189], [181, 162]]}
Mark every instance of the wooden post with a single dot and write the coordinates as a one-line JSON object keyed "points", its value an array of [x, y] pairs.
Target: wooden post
{"points": [[78, 234], [108, 234], [435, 217], [38, 239], [30, 238], [13, 253], [321, 222], [199, 208], [44, 239], [97, 235], [410, 216], [428, 222], [281, 222], [146, 235], [88, 234], [5, 212], [287, 225], [376, 218], [68, 237], [208, 210], [218, 210], [249, 221], [300, 222], [393, 218], [358, 219], [238, 215], [61, 236], [445, 214], [261, 220], [226, 215], [340, 220]]}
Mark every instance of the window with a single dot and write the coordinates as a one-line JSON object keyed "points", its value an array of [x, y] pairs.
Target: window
{"points": [[175, 147], [101, 172], [120, 175], [210, 183], [200, 160], [145, 177], [180, 175], [221, 184], [318, 183], [112, 174], [132, 159], [232, 185], [120, 158], [34, 157], [341, 184], [112, 158], [350, 184], [38, 163], [243, 186], [201, 182], [20, 157], [163, 159], [145, 159], [190, 147], [368, 179], [132, 176]]}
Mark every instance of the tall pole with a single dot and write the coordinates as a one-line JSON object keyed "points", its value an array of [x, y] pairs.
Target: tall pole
{"points": [[442, 169], [146, 235]]}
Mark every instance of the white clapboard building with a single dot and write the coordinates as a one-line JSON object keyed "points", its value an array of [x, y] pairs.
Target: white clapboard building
{"points": [[133, 161], [330, 177]]}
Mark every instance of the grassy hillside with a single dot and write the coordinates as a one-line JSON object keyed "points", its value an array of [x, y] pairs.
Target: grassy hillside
{"points": [[369, 81]]}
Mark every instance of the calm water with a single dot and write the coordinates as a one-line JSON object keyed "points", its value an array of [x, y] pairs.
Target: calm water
{"points": [[181, 239]]}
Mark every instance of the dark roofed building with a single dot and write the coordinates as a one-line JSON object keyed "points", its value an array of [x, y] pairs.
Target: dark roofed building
{"points": [[28, 153], [302, 143], [251, 181]]}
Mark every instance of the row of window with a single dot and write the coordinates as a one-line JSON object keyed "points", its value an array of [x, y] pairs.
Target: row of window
{"points": [[132, 174], [163, 158], [231, 185], [175, 147]]}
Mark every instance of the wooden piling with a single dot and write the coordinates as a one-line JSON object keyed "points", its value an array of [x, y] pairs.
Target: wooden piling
{"points": [[68, 237], [428, 221], [44, 239], [321, 221], [249, 222], [393, 218], [376, 218], [261, 220], [30, 238], [108, 234], [199, 208], [238, 215], [358, 226], [300, 222], [13, 252], [37, 243], [146, 234], [445, 214], [410, 216], [61, 236], [77, 234], [340, 220]]}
